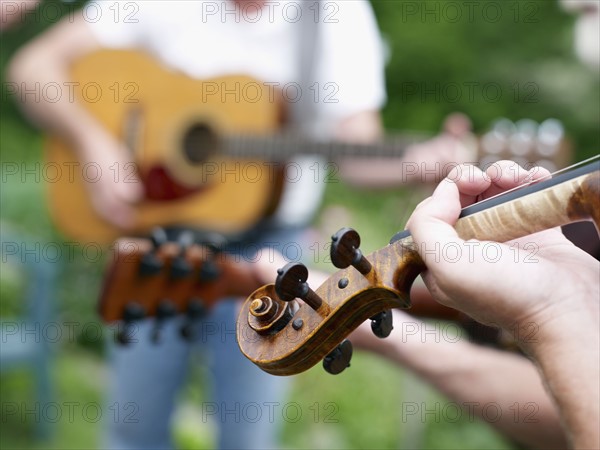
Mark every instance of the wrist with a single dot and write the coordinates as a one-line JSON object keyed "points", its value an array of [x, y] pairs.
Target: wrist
{"points": [[555, 330], [566, 348], [87, 138], [569, 366]]}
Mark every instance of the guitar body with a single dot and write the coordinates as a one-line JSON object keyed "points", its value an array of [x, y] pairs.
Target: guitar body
{"points": [[124, 89]]}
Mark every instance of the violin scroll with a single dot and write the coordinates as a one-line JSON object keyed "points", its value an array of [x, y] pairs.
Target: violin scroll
{"points": [[268, 314], [284, 336]]}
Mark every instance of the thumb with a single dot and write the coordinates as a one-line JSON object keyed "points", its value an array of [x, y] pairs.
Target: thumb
{"points": [[431, 224]]}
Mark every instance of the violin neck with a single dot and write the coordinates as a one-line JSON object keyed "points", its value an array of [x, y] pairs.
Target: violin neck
{"points": [[571, 197]]}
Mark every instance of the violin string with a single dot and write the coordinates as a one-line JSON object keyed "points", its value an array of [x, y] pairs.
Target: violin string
{"points": [[547, 177]]}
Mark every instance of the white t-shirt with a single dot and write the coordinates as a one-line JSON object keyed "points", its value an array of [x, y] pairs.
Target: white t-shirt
{"points": [[206, 39]]}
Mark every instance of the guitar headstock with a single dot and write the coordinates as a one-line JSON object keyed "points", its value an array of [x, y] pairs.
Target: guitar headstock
{"points": [[286, 327], [161, 278]]}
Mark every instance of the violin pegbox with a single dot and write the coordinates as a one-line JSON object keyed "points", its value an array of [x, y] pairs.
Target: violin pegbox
{"points": [[287, 327], [345, 252], [291, 284]]}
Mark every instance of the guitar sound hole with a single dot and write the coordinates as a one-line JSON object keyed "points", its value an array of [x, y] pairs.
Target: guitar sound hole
{"points": [[199, 142]]}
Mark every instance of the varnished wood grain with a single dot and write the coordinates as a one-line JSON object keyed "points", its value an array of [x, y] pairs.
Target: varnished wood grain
{"points": [[535, 212]]}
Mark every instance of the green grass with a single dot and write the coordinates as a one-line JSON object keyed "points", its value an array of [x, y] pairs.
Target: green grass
{"points": [[79, 378], [357, 409]]}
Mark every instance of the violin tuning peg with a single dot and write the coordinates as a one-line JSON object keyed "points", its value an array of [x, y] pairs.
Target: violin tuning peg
{"points": [[339, 359], [382, 324], [345, 251], [291, 283]]}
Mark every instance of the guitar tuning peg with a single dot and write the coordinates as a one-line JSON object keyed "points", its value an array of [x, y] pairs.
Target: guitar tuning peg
{"points": [[158, 237], [345, 251], [133, 311], [216, 243], [339, 358], [382, 324], [291, 283], [165, 310], [180, 268], [195, 311], [150, 263]]}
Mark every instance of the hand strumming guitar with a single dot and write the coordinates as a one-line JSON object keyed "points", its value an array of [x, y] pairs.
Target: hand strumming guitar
{"points": [[45, 60], [117, 188]]}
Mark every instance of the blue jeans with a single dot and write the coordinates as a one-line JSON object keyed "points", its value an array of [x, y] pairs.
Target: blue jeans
{"points": [[146, 377]]}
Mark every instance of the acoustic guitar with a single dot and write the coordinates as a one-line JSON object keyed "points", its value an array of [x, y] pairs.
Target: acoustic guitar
{"points": [[207, 151], [210, 153], [284, 337]]}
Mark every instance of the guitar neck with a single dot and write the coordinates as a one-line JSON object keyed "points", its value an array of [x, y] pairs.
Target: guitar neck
{"points": [[283, 146]]}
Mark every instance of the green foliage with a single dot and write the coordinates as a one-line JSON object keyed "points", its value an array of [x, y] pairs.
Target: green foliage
{"points": [[448, 56]]}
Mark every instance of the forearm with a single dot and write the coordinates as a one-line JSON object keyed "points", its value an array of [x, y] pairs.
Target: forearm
{"points": [[29, 76], [366, 171], [375, 172], [570, 366], [503, 389], [12, 13], [44, 63]]}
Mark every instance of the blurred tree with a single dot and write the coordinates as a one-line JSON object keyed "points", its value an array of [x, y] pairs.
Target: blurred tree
{"points": [[488, 59], [483, 57]]}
